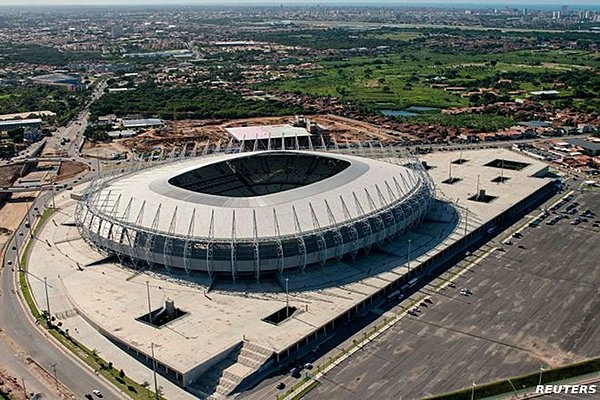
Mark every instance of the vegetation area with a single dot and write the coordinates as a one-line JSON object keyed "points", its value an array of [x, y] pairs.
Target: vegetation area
{"points": [[479, 122], [7, 149], [443, 68], [15, 136], [96, 133], [347, 38], [408, 78], [18, 99], [338, 38], [38, 54], [187, 102]]}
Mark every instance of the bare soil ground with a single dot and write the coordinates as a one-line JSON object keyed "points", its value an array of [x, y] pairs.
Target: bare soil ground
{"points": [[12, 213], [103, 150], [68, 169], [10, 386], [190, 132], [9, 174]]}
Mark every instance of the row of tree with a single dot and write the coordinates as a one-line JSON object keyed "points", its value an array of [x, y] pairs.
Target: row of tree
{"points": [[188, 103]]}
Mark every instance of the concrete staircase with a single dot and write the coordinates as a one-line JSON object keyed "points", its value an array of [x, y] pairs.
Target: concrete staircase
{"points": [[224, 377]]}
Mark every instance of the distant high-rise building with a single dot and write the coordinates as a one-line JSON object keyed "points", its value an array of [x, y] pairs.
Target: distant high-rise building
{"points": [[116, 31], [564, 9]]}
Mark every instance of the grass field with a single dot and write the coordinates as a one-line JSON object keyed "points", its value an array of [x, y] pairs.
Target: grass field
{"points": [[404, 79]]}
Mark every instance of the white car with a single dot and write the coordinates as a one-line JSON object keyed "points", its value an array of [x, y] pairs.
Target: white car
{"points": [[97, 392]]}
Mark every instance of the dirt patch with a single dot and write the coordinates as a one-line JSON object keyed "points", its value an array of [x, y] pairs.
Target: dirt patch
{"points": [[69, 169], [9, 174], [12, 213], [103, 150], [177, 134], [10, 386], [551, 354]]}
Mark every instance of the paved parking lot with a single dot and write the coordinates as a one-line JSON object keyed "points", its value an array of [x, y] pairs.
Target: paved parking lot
{"points": [[535, 304]]}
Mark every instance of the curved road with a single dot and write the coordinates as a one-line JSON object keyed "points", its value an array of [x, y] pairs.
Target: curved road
{"points": [[32, 340], [21, 337]]}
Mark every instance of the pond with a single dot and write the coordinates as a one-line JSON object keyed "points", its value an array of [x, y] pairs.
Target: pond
{"points": [[397, 113]]}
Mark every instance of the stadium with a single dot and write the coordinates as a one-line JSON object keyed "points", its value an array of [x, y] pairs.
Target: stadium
{"points": [[254, 214]]}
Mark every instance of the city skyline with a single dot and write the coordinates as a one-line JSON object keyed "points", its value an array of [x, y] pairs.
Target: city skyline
{"points": [[384, 3]]}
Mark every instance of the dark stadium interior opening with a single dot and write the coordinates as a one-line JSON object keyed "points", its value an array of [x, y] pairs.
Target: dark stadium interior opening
{"points": [[163, 315], [281, 315], [507, 164], [260, 174]]}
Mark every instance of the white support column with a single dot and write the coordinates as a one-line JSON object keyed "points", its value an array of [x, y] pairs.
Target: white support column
{"points": [[280, 255], [151, 235], [242, 144], [379, 224], [337, 235], [300, 239], [210, 243], [187, 248], [132, 240], [351, 228], [256, 246], [365, 224], [168, 245], [321, 243], [233, 248], [206, 148]]}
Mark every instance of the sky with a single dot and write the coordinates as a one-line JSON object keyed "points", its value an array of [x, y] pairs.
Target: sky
{"points": [[514, 3]]}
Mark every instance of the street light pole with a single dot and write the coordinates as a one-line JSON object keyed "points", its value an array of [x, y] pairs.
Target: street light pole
{"points": [[24, 389], [466, 220], [149, 304], [287, 298], [47, 297], [541, 370], [55, 374], [154, 372], [408, 255], [473, 391]]}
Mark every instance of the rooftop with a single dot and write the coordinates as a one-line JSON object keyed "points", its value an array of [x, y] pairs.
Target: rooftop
{"points": [[219, 319], [154, 190], [586, 144], [140, 123], [266, 132], [17, 122]]}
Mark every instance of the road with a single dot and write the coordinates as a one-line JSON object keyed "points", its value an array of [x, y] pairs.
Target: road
{"points": [[27, 338], [20, 336]]}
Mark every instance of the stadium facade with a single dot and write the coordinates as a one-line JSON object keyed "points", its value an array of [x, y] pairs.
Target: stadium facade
{"points": [[253, 214]]}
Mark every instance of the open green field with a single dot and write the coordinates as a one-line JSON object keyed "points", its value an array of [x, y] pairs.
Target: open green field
{"points": [[404, 79]]}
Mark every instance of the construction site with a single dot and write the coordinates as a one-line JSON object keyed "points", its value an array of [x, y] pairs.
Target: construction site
{"points": [[178, 133]]}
